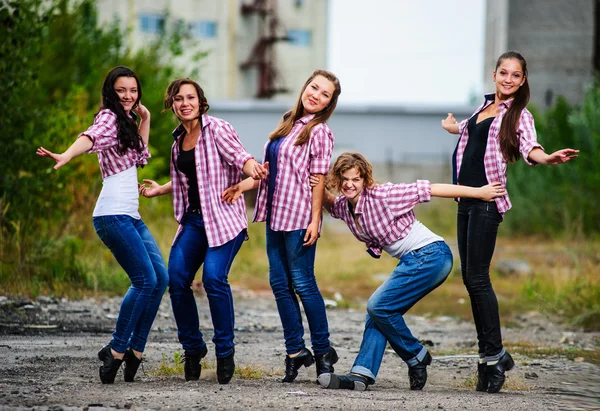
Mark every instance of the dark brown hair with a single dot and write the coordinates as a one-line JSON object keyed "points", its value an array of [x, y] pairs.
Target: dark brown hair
{"points": [[345, 162], [173, 89], [127, 129], [509, 139], [289, 118]]}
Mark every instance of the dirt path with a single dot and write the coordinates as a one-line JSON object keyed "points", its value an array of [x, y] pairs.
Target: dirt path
{"points": [[48, 362]]}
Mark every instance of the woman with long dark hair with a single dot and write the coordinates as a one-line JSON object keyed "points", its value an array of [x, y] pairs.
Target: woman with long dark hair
{"points": [[499, 132], [122, 147], [301, 145]]}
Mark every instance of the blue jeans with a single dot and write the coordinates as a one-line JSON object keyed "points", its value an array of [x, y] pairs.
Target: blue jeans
{"points": [[189, 251], [477, 229], [417, 274], [291, 273], [135, 250]]}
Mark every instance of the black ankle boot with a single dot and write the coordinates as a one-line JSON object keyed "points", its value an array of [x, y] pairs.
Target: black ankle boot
{"points": [[131, 365], [292, 365], [110, 366], [324, 362], [482, 379], [417, 374], [192, 367], [225, 368], [495, 372], [343, 382]]}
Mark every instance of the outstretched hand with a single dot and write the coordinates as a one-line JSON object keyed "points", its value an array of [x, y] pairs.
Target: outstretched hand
{"points": [[450, 124], [562, 156], [231, 194], [150, 191], [61, 159], [491, 191]]}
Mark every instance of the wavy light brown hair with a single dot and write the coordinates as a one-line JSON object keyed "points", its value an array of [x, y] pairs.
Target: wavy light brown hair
{"points": [[345, 162], [509, 139], [173, 89], [289, 118]]}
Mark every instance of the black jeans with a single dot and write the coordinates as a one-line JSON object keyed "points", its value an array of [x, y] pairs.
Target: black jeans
{"points": [[477, 229]]}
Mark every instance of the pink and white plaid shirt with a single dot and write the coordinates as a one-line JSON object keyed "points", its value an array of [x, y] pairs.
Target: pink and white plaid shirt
{"points": [[385, 212], [103, 134], [292, 200], [494, 162], [220, 158]]}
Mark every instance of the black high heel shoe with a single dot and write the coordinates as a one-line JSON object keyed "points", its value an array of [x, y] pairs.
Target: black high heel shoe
{"points": [[225, 368], [482, 379], [292, 365], [110, 366], [495, 372], [417, 374], [131, 365], [324, 362]]}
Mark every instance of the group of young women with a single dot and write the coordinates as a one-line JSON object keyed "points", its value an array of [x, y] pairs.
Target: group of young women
{"points": [[207, 162]]}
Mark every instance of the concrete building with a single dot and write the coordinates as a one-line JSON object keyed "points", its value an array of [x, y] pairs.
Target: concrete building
{"points": [[555, 36], [256, 48]]}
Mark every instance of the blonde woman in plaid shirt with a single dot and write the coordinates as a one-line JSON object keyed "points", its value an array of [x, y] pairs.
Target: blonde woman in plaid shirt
{"points": [[500, 132], [122, 146], [206, 158], [381, 216], [301, 144]]}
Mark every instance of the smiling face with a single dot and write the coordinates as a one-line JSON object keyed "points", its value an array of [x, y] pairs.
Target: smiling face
{"points": [[127, 90], [317, 95], [186, 104], [508, 77], [352, 185]]}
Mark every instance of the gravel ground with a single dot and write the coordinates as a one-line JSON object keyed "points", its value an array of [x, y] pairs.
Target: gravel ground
{"points": [[48, 362]]}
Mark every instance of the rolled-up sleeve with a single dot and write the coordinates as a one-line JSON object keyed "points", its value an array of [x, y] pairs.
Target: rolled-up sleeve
{"points": [[103, 132], [527, 136], [402, 198], [321, 149], [229, 145], [336, 209]]}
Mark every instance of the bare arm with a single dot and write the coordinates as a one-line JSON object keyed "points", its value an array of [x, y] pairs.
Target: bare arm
{"points": [[231, 194], [312, 231], [155, 189], [255, 170], [486, 193], [328, 200], [558, 157], [80, 146], [450, 124], [144, 129]]}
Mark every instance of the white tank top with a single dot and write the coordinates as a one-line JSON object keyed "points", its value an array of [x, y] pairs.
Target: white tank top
{"points": [[419, 236], [119, 195]]}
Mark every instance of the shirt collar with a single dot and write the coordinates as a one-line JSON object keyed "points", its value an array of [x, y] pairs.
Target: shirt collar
{"points": [[306, 119], [492, 96], [179, 130]]}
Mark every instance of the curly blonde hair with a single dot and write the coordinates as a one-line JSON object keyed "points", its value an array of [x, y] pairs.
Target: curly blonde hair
{"points": [[345, 162]]}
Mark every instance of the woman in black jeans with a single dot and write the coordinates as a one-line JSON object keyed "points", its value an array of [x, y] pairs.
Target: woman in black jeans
{"points": [[499, 132]]}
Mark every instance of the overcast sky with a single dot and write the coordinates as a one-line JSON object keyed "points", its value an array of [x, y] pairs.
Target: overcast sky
{"points": [[408, 51]]}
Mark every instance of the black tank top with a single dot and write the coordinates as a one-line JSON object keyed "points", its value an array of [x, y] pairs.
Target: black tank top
{"points": [[472, 169]]}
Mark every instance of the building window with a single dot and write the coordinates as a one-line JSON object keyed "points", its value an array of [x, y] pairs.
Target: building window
{"points": [[302, 38], [152, 23], [204, 29]]}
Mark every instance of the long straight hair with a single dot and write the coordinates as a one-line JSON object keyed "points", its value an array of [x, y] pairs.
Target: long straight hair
{"points": [[127, 134], [509, 139], [289, 118]]}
